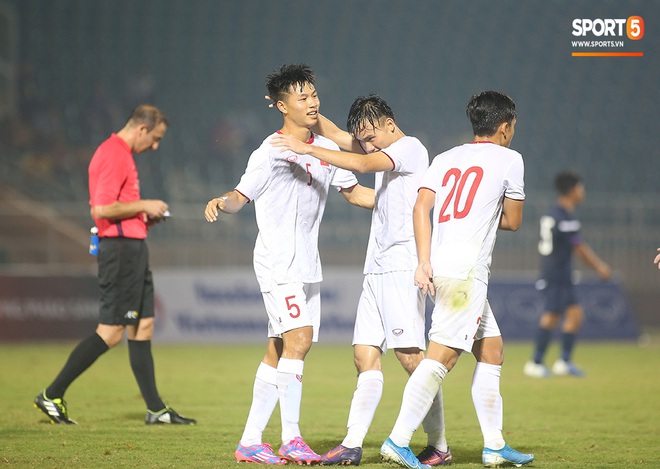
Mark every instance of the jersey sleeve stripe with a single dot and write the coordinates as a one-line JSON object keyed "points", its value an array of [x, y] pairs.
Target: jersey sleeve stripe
{"points": [[347, 188], [248, 199]]}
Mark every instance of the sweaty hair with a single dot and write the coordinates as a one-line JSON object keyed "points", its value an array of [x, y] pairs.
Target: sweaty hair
{"points": [[367, 110], [488, 110], [147, 114], [279, 81], [566, 181]]}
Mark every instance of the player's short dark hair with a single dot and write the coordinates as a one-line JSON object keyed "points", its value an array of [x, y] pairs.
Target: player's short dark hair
{"points": [[488, 110], [367, 110], [566, 181], [293, 75], [147, 114]]}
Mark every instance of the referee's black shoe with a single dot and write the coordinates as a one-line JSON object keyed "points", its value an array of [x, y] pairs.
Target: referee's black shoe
{"points": [[55, 409], [167, 415]]}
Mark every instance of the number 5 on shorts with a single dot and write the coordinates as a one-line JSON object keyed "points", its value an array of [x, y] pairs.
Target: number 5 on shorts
{"points": [[291, 306]]}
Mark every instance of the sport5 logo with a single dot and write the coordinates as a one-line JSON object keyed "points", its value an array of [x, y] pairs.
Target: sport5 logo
{"points": [[610, 27]]}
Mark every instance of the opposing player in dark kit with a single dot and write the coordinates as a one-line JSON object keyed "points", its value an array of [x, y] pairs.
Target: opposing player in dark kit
{"points": [[560, 239]]}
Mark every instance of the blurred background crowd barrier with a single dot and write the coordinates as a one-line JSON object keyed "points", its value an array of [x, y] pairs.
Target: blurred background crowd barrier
{"points": [[71, 71]]}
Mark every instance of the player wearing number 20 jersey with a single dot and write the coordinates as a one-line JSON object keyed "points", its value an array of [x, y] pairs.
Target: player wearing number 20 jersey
{"points": [[473, 190], [470, 182]]}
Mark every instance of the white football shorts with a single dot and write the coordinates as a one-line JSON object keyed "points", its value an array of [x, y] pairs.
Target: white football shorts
{"points": [[390, 313], [461, 314], [291, 306]]}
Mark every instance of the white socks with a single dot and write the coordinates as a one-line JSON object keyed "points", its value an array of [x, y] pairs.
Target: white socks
{"points": [[264, 399], [488, 403], [418, 395], [289, 385], [285, 384], [366, 397], [434, 424]]}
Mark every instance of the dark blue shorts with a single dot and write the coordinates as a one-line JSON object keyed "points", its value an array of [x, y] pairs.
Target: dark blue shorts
{"points": [[558, 297], [127, 289]]}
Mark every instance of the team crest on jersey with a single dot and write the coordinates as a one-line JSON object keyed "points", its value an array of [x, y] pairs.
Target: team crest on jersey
{"points": [[323, 163], [292, 158], [397, 332]]}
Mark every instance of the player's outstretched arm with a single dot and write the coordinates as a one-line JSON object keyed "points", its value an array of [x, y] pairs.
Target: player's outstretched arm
{"points": [[589, 257], [657, 259], [329, 129], [231, 202], [358, 162], [345, 140], [512, 214], [360, 196], [422, 228]]}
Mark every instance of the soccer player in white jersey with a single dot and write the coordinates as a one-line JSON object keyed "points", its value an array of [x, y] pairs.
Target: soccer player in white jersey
{"points": [[289, 191], [473, 189], [390, 313]]}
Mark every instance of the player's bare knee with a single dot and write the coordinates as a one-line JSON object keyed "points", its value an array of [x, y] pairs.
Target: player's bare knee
{"points": [[297, 343], [296, 351], [273, 351], [363, 363], [409, 358], [366, 357], [573, 320], [549, 320]]}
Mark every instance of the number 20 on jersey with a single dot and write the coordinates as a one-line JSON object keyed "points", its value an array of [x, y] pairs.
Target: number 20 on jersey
{"points": [[455, 204]]}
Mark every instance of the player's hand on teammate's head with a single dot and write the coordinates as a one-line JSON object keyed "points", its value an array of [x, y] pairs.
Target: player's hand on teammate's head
{"points": [[271, 104]]}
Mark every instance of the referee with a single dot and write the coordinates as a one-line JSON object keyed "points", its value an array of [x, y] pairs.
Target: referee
{"points": [[127, 292]]}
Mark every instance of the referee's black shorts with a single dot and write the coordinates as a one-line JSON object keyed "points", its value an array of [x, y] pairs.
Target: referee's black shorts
{"points": [[127, 289]]}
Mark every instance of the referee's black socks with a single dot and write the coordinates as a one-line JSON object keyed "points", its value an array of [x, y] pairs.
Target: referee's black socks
{"points": [[81, 358], [142, 364]]}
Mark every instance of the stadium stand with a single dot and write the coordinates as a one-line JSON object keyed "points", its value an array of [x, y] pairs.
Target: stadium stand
{"points": [[84, 64]]}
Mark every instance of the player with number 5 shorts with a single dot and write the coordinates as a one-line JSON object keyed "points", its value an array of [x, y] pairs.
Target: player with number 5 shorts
{"points": [[289, 191]]}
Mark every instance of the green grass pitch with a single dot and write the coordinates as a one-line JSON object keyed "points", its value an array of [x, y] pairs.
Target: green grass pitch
{"points": [[611, 418]]}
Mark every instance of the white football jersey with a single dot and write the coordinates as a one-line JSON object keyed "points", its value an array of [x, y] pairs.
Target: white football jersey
{"points": [[289, 192], [391, 239], [470, 182]]}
